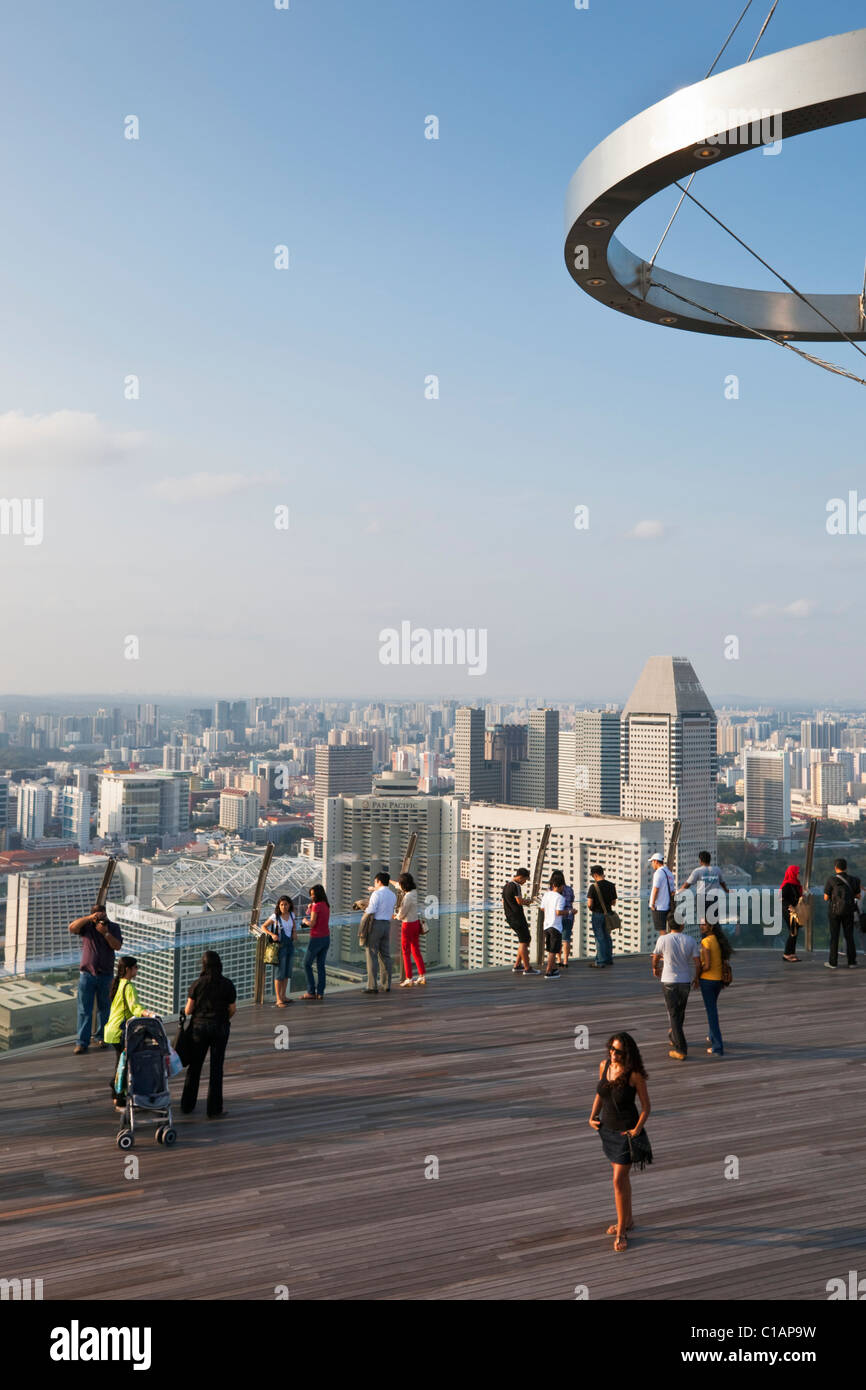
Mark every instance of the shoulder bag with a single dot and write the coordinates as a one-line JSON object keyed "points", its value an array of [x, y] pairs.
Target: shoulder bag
{"points": [[612, 920], [183, 1041], [639, 1146]]}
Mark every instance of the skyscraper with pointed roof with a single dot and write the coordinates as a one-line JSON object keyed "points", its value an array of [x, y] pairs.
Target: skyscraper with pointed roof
{"points": [[668, 757]]}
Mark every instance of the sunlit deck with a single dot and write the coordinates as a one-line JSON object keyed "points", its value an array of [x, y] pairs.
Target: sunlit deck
{"points": [[317, 1181]]}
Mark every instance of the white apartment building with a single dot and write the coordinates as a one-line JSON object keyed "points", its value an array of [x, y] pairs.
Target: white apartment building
{"points": [[767, 779], [239, 810], [32, 806], [503, 839]]}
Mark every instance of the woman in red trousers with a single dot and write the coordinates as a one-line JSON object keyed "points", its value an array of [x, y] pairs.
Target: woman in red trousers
{"points": [[410, 931]]}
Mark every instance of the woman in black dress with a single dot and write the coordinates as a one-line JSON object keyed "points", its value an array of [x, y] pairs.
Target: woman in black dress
{"points": [[792, 892], [210, 1006], [615, 1117]]}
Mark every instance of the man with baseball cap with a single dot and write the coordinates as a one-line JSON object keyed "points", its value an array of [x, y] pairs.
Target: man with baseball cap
{"points": [[662, 893]]}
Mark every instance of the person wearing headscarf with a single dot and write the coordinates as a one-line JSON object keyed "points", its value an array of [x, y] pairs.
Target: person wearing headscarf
{"points": [[792, 892]]}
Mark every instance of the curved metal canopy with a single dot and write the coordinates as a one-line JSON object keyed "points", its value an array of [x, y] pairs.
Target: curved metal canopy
{"points": [[801, 89]]}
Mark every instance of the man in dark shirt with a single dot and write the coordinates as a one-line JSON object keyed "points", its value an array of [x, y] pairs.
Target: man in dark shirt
{"points": [[841, 894], [99, 941], [600, 898], [513, 904]]}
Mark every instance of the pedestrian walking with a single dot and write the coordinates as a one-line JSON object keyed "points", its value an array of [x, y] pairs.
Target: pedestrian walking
{"points": [[210, 1008], [676, 959], [600, 898], [716, 951], [318, 919], [100, 938], [622, 1079], [411, 930], [513, 903], [791, 891], [280, 927], [377, 920], [841, 894]]}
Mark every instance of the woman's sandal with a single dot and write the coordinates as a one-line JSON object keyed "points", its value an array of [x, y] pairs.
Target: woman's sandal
{"points": [[612, 1230], [620, 1244]]}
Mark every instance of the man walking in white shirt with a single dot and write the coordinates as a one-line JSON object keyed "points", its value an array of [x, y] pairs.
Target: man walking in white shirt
{"points": [[678, 955], [380, 909]]}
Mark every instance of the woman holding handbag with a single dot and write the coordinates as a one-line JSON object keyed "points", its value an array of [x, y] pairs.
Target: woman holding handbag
{"points": [[792, 892], [616, 1120], [125, 1004], [280, 927], [411, 928]]}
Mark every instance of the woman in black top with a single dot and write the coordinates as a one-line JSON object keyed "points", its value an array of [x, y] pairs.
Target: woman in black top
{"points": [[792, 892], [210, 1005], [614, 1116]]}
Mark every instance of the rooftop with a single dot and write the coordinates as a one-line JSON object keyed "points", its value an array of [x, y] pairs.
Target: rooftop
{"points": [[317, 1179]]}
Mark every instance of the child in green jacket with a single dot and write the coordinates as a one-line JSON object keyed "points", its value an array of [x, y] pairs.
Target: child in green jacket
{"points": [[125, 1004]]}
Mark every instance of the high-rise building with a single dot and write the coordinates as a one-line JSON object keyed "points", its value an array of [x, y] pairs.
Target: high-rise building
{"points": [[32, 803], [141, 805], [821, 733], [239, 810], [366, 833], [503, 839], [340, 771], [668, 757], [4, 807], [222, 712], [589, 764], [147, 725], [40, 906], [535, 782], [475, 779], [828, 784], [74, 812], [506, 746], [767, 779]]}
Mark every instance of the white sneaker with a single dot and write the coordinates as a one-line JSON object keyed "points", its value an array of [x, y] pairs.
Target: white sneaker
{"points": [[421, 980], [405, 983]]}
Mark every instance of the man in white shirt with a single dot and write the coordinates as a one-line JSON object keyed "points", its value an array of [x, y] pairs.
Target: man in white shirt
{"points": [[679, 956], [661, 894], [553, 907], [380, 908]]}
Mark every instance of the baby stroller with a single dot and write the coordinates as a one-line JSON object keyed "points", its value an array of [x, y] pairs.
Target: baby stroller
{"points": [[146, 1062]]}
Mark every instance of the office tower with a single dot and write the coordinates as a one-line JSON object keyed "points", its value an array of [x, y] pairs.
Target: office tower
{"points": [[40, 906], [505, 745], [239, 810], [668, 757], [340, 770], [147, 725], [767, 778], [502, 839], [589, 764], [828, 784], [363, 834], [221, 714], [32, 802], [475, 779], [535, 782], [141, 805], [73, 810], [4, 807]]}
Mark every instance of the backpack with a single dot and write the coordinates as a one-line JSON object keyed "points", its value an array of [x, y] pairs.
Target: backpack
{"points": [[842, 900]]}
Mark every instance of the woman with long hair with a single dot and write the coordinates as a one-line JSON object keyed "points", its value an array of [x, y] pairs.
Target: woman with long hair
{"points": [[318, 919], [621, 1078], [408, 915], [210, 1006], [716, 949], [792, 892], [280, 927], [125, 1004]]}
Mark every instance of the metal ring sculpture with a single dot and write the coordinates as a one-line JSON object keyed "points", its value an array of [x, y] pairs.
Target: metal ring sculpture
{"points": [[806, 88]]}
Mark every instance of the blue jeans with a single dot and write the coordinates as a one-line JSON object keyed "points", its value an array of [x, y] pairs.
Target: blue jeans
{"points": [[603, 940], [711, 989], [90, 987], [283, 967], [316, 952]]}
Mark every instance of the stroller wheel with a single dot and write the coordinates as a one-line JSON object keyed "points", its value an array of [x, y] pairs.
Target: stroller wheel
{"points": [[125, 1139], [159, 1134], [169, 1136]]}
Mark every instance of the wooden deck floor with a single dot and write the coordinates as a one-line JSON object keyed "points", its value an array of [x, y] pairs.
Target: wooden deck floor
{"points": [[317, 1180]]}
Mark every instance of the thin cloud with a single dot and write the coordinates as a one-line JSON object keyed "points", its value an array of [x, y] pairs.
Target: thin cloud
{"points": [[65, 438], [799, 608], [648, 530], [198, 487]]}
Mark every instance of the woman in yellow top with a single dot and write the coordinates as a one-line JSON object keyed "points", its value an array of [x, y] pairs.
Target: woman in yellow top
{"points": [[125, 1004], [715, 950]]}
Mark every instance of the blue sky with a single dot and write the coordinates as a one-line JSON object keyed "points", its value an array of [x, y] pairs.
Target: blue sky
{"points": [[306, 387]]}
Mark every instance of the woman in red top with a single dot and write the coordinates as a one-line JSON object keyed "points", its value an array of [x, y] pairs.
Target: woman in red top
{"points": [[792, 892], [318, 919]]}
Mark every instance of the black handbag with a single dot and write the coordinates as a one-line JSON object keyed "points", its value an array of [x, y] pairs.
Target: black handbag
{"points": [[183, 1041]]}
